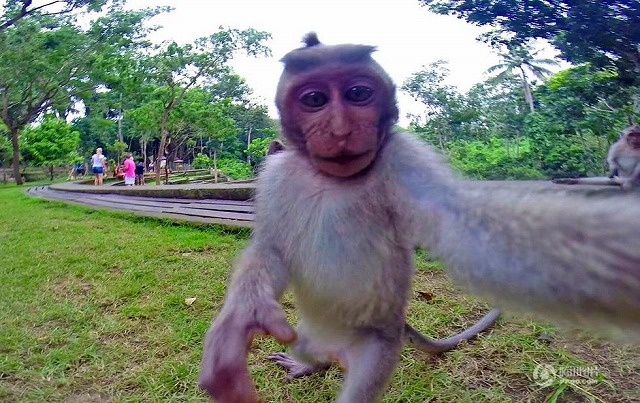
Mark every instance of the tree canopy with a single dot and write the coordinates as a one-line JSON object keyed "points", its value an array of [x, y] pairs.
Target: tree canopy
{"points": [[603, 33], [16, 10]]}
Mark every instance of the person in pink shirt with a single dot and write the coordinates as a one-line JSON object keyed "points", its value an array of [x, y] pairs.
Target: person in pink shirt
{"points": [[129, 170]]}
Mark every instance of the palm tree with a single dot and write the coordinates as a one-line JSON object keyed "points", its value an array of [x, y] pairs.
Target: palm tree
{"points": [[521, 58]]}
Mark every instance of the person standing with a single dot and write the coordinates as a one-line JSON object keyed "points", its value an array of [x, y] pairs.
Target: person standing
{"points": [[129, 170], [140, 173], [98, 166]]}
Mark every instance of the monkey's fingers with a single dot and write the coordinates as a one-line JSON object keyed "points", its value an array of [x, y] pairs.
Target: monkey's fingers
{"points": [[224, 374], [273, 322], [230, 385]]}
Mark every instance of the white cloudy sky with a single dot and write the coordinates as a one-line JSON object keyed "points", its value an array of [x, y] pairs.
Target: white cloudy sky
{"points": [[407, 35]]}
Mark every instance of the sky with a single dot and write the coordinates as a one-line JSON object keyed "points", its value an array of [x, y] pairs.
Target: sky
{"points": [[406, 35]]}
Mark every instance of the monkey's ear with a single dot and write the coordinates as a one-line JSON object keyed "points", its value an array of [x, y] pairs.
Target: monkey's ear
{"points": [[311, 39]]}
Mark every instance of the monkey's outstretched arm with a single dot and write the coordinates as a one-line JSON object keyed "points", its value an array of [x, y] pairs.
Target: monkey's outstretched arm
{"points": [[251, 309], [562, 256]]}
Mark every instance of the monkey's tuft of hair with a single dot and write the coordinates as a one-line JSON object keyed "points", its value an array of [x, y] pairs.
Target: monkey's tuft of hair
{"points": [[311, 39]]}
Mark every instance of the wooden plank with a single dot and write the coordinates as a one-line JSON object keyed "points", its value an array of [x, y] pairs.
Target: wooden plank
{"points": [[203, 220], [211, 213], [187, 201], [191, 203], [221, 207], [203, 211], [120, 206]]}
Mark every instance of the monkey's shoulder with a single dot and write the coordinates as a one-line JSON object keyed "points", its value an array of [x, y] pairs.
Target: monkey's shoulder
{"points": [[408, 161]]}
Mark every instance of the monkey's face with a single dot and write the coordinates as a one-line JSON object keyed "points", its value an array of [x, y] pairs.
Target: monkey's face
{"points": [[633, 139], [336, 113]]}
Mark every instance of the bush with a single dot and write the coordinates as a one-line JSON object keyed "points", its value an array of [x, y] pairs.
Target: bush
{"points": [[492, 160], [202, 161], [235, 169]]}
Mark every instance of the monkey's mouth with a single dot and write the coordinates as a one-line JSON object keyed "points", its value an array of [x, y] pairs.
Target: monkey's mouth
{"points": [[344, 158]]}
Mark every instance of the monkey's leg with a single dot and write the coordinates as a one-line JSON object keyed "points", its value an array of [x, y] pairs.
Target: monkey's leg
{"points": [[297, 368], [434, 346], [604, 181], [307, 357], [369, 364]]}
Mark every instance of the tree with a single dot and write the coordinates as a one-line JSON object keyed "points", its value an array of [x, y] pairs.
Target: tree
{"points": [[258, 148], [53, 143], [54, 65], [521, 58], [5, 149], [447, 112], [45, 63], [177, 69], [605, 33], [583, 98], [15, 10], [253, 122]]}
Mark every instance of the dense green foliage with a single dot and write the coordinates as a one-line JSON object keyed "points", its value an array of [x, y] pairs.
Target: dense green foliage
{"points": [[52, 143], [604, 33], [178, 101], [548, 125], [169, 100], [231, 167]]}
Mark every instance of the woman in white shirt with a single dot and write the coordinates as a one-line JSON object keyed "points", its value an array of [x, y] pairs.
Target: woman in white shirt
{"points": [[97, 166]]}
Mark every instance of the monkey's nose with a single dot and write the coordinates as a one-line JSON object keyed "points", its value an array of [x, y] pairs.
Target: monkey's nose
{"points": [[340, 125], [341, 131]]}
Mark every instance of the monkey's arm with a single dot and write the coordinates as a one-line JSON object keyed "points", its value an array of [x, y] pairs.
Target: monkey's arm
{"points": [[634, 180], [250, 309], [562, 256], [611, 160]]}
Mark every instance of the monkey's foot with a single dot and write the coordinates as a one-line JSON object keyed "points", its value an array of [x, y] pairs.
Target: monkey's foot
{"points": [[296, 369]]}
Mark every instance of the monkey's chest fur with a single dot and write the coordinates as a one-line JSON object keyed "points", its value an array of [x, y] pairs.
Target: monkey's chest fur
{"points": [[627, 163], [348, 263]]}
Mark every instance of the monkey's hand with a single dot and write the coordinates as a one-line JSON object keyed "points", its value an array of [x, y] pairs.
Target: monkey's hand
{"points": [[628, 184], [224, 374]]}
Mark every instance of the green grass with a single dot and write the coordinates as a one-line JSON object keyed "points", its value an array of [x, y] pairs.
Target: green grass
{"points": [[92, 309]]}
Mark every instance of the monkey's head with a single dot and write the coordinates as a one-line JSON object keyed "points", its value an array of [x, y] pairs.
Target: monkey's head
{"points": [[336, 104], [275, 146], [632, 136]]}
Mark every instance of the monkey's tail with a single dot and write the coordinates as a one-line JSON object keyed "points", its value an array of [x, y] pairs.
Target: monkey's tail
{"points": [[436, 346]]}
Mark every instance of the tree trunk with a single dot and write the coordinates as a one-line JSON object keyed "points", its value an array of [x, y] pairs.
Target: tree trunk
{"points": [[163, 140], [16, 155], [528, 96], [249, 142], [120, 137], [215, 167]]}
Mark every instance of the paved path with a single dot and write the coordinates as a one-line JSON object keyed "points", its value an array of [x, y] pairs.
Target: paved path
{"points": [[232, 213]]}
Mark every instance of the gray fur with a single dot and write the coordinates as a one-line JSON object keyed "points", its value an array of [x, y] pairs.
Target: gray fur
{"points": [[624, 160], [345, 247]]}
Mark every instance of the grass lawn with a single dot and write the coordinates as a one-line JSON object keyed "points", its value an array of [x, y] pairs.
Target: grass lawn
{"points": [[92, 308]]}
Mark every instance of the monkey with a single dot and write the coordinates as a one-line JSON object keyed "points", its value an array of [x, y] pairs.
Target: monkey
{"points": [[623, 159], [275, 146], [340, 211]]}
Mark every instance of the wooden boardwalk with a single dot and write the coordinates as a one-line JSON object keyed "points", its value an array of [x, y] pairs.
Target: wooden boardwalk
{"points": [[234, 213]]}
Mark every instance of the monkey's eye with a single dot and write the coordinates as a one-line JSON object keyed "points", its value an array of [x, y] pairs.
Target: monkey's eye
{"points": [[314, 99], [359, 93]]}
